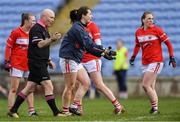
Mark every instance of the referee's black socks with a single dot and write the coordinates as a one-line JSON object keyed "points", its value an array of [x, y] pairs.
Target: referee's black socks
{"points": [[19, 100], [51, 102]]}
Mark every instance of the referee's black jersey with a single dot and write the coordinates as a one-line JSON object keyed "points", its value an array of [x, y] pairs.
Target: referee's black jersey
{"points": [[37, 33]]}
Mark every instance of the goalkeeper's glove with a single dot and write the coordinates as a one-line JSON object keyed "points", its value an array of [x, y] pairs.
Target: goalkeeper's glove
{"points": [[109, 54], [172, 61], [7, 66], [131, 61]]}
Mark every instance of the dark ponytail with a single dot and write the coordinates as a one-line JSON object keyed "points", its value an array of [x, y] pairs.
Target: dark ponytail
{"points": [[73, 15], [24, 16], [76, 15]]}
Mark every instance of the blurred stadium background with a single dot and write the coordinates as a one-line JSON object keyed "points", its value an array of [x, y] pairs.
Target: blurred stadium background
{"points": [[117, 19]]}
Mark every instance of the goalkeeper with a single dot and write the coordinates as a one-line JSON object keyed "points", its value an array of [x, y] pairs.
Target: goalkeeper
{"points": [[92, 64], [75, 42]]}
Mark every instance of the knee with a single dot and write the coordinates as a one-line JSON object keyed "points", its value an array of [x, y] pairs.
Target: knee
{"points": [[13, 89], [86, 85], [98, 87], [145, 87]]}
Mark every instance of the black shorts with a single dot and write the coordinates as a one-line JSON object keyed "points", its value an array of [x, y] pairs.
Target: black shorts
{"points": [[38, 71]]}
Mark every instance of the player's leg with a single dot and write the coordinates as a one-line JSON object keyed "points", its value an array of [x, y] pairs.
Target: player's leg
{"points": [[48, 89], [148, 80], [14, 84], [84, 80], [29, 88], [69, 69], [30, 102], [96, 77], [154, 104], [70, 79]]}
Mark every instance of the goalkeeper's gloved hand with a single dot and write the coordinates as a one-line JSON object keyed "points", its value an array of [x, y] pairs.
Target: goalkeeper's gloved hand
{"points": [[7, 66], [172, 61], [109, 54], [131, 61]]}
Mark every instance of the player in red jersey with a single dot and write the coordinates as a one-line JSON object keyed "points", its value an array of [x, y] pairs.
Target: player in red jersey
{"points": [[149, 38], [93, 66], [16, 61]]}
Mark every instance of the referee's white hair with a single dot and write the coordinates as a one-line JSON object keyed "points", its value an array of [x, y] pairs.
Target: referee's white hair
{"points": [[46, 12]]}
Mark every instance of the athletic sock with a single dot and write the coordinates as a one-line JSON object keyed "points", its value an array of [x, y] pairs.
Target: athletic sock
{"points": [[51, 102], [76, 103], [31, 109], [116, 104], [154, 105], [65, 109], [19, 100]]}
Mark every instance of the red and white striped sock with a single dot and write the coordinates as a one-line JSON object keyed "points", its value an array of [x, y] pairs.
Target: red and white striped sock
{"points": [[154, 105], [65, 109], [116, 104], [76, 103]]}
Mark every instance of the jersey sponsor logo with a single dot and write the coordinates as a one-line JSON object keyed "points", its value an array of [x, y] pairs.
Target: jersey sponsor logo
{"points": [[22, 41], [147, 38]]}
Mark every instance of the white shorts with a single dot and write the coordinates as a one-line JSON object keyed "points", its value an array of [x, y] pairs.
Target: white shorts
{"points": [[93, 65], [19, 73], [153, 67], [68, 66]]}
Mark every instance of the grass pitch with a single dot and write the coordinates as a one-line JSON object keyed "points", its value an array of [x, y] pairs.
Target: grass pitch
{"points": [[137, 109]]}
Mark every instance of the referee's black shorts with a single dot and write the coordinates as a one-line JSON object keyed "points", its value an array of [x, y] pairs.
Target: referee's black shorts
{"points": [[38, 71]]}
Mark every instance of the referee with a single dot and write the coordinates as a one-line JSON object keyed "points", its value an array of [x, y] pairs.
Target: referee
{"points": [[38, 61]]}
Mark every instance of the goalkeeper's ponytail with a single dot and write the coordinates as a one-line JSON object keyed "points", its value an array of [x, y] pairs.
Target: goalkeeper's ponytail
{"points": [[73, 15]]}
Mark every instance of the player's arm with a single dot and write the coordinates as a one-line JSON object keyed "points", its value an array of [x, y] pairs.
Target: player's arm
{"points": [[164, 38], [9, 45], [135, 52], [86, 41], [96, 35], [8, 50]]}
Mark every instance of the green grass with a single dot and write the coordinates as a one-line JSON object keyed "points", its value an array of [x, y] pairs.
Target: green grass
{"points": [[101, 110]]}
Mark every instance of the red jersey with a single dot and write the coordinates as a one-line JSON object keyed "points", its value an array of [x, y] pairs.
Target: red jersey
{"points": [[150, 42], [16, 49], [94, 33]]}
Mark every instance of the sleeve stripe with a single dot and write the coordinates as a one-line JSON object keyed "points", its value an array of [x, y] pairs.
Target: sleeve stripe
{"points": [[9, 39], [34, 40], [162, 35], [166, 39], [9, 45]]}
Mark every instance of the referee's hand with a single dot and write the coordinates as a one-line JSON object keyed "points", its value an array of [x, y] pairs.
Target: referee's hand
{"points": [[56, 36], [52, 65]]}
